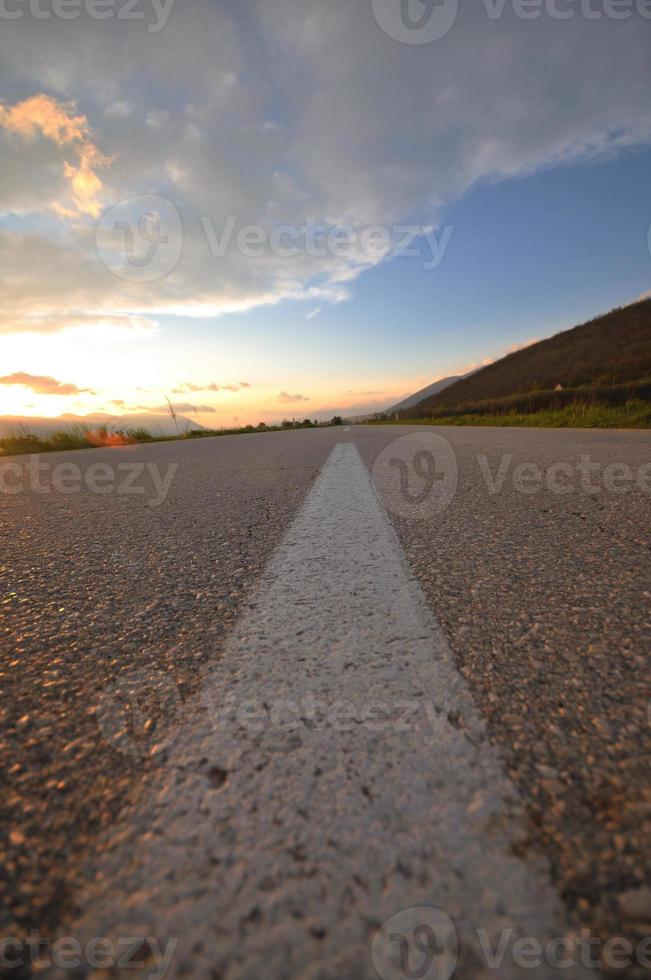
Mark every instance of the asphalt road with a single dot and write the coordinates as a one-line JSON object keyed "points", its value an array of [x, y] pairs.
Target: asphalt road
{"points": [[540, 581]]}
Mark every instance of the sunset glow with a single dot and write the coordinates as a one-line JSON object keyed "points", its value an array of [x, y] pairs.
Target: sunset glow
{"points": [[185, 224]]}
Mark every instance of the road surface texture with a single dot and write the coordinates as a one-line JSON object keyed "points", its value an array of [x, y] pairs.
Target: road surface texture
{"points": [[521, 798]]}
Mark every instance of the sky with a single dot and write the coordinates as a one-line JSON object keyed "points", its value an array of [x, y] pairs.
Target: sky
{"points": [[266, 209]]}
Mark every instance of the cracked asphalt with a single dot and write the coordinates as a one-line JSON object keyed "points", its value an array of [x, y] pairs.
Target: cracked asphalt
{"points": [[543, 597]]}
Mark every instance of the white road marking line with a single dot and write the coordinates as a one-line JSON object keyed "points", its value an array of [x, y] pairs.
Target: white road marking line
{"points": [[274, 849]]}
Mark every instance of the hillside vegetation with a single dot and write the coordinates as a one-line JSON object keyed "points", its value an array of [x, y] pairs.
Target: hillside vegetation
{"points": [[606, 361]]}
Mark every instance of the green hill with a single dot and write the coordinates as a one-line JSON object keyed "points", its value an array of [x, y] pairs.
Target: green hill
{"points": [[606, 361]]}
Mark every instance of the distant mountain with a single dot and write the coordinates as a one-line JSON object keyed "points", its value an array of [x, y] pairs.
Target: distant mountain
{"points": [[427, 392], [610, 351], [157, 425]]}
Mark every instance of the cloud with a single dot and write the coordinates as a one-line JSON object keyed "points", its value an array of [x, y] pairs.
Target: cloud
{"points": [[287, 399], [487, 361], [49, 286], [56, 121], [179, 407], [42, 114], [43, 385], [313, 313], [212, 386], [377, 132]]}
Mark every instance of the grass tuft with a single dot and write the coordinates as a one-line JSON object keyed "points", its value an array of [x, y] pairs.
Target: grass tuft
{"points": [[23, 442]]}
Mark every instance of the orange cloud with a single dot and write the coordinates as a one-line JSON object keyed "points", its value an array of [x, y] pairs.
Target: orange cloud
{"points": [[56, 121], [188, 387], [287, 399], [53, 119], [43, 385]]}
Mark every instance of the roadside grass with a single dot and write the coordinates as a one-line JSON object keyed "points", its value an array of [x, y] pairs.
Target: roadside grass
{"points": [[634, 415], [23, 442]]}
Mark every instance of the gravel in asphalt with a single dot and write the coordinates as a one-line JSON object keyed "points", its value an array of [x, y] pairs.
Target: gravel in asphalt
{"points": [[544, 598], [98, 587], [332, 772]]}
